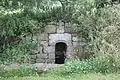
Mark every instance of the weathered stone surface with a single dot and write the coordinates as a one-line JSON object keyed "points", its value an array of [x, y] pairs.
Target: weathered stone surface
{"points": [[33, 56], [70, 48], [40, 60], [78, 44], [52, 23], [40, 49], [50, 60], [60, 23], [82, 44], [69, 55], [60, 28], [44, 43], [54, 38], [75, 44], [43, 37], [33, 52], [74, 39], [56, 33], [50, 29], [49, 49], [52, 56], [42, 56]]}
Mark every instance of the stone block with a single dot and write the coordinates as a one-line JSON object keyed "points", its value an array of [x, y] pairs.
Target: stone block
{"points": [[54, 38], [50, 29], [68, 30], [60, 29], [83, 43], [60, 23], [40, 49], [75, 44], [79, 44], [69, 55], [33, 52], [69, 48], [43, 37], [44, 43], [75, 39], [42, 56], [40, 60], [50, 60], [49, 49], [33, 56], [52, 56], [52, 23]]}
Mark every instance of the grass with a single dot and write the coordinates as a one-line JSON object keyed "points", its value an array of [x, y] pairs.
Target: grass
{"points": [[89, 76], [101, 68]]}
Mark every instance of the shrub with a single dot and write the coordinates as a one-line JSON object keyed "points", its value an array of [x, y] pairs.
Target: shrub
{"points": [[17, 53], [103, 64]]}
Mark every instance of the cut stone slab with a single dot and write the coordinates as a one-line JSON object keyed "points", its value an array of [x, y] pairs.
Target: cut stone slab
{"points": [[50, 60], [40, 61], [75, 44], [60, 29], [43, 36], [52, 56], [69, 48], [50, 29], [42, 56], [54, 38], [78, 44], [49, 49], [44, 43], [74, 38]]}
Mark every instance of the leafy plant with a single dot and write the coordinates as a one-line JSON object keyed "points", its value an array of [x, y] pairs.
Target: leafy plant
{"points": [[103, 64]]}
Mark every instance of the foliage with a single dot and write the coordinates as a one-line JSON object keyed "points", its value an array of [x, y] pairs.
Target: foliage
{"points": [[18, 72], [102, 64], [17, 53], [97, 22], [99, 27]]}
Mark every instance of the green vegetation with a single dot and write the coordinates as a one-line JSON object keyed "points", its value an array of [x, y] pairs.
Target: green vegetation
{"points": [[106, 67], [21, 72], [72, 77], [104, 64], [97, 23]]}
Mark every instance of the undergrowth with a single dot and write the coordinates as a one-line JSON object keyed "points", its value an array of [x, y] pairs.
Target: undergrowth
{"points": [[106, 64], [23, 71], [103, 64]]}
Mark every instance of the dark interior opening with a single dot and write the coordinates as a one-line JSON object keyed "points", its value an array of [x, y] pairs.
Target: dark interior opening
{"points": [[60, 53]]}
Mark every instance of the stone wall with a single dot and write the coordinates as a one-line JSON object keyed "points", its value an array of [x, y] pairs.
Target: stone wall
{"points": [[55, 33]]}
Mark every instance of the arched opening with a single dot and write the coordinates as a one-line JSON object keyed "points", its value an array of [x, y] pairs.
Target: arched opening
{"points": [[60, 53]]}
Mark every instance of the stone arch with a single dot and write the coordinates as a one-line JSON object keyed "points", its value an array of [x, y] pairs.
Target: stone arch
{"points": [[60, 52]]}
